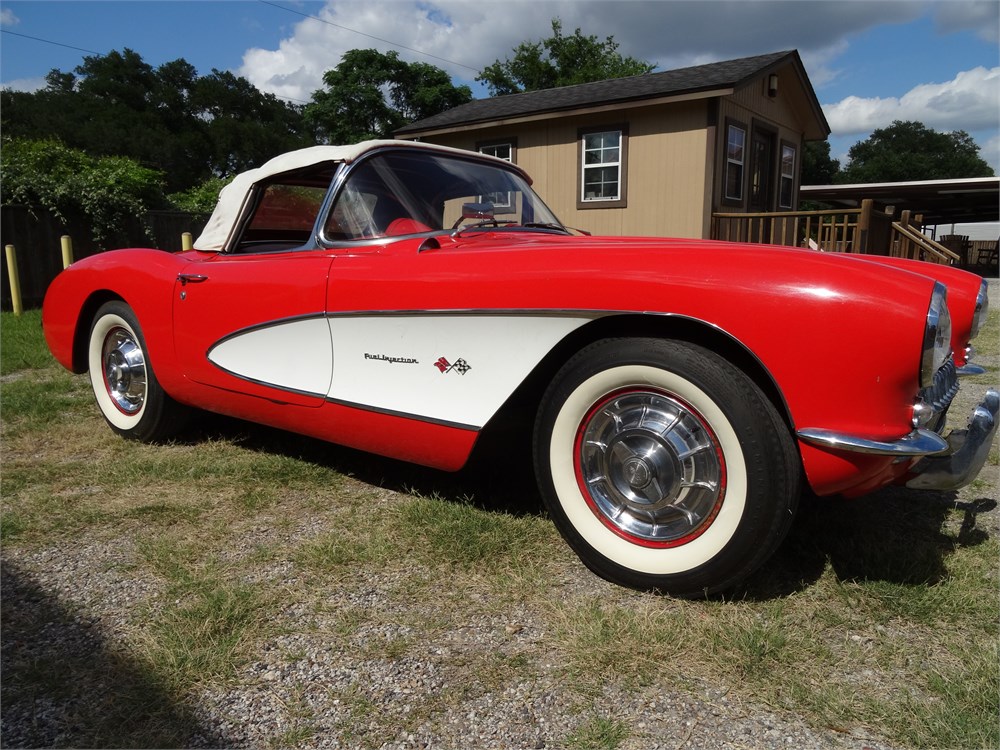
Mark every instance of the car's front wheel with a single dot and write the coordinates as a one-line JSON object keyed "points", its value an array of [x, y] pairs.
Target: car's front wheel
{"points": [[125, 386], [664, 466]]}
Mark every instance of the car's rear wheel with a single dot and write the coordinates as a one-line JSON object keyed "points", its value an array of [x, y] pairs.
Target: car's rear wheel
{"points": [[664, 466], [125, 386]]}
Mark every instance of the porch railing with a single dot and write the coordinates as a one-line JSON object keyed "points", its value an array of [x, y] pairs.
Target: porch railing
{"points": [[850, 230]]}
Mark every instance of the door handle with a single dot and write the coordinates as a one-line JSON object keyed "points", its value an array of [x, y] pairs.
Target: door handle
{"points": [[191, 278]]}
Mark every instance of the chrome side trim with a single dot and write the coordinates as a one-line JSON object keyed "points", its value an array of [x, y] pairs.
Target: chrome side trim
{"points": [[917, 443]]}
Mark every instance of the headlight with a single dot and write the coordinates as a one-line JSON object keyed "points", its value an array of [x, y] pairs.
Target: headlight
{"points": [[937, 336], [982, 309]]}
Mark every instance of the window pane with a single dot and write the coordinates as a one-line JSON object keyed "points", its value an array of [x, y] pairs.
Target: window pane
{"points": [[602, 155], [785, 199], [736, 142], [601, 148], [787, 161], [735, 156], [734, 181], [601, 182], [288, 207], [499, 150]]}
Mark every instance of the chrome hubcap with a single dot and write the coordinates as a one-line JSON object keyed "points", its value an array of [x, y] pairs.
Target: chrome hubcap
{"points": [[124, 370], [650, 466]]}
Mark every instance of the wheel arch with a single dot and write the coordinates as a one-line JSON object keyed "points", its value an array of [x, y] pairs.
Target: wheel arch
{"points": [[81, 333], [524, 402]]}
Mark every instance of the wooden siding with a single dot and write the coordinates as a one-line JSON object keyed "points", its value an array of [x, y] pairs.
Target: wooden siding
{"points": [[752, 106], [668, 189], [676, 157]]}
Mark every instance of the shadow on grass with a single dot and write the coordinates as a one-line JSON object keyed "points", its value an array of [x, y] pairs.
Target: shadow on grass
{"points": [[498, 476], [895, 535], [65, 686]]}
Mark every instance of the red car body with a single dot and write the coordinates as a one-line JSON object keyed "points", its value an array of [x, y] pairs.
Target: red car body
{"points": [[836, 344]]}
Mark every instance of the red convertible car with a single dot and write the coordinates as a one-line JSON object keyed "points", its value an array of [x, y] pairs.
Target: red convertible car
{"points": [[401, 298]]}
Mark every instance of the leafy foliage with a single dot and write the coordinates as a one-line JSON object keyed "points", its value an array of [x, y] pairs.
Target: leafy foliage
{"points": [[108, 190], [187, 126], [370, 94], [818, 167], [560, 61], [200, 199], [911, 151]]}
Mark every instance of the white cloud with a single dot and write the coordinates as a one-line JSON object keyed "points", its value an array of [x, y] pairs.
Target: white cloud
{"points": [[295, 70], [967, 102], [465, 37], [990, 151], [25, 84], [7, 17]]}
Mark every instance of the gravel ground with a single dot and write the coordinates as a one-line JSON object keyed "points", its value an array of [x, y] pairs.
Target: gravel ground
{"points": [[314, 686], [87, 593]]}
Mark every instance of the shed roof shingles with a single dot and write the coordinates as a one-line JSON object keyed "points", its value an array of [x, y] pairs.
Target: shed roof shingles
{"points": [[725, 74]]}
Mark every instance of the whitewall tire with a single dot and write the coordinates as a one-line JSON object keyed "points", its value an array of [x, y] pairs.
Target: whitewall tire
{"points": [[664, 466], [121, 375]]}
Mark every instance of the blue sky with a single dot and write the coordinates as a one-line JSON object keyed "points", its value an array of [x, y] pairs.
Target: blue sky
{"points": [[870, 62]]}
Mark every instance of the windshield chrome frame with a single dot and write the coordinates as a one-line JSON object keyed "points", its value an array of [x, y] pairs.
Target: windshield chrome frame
{"points": [[345, 169]]}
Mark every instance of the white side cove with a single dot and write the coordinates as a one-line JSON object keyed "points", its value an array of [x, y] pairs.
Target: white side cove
{"points": [[456, 369], [294, 356]]}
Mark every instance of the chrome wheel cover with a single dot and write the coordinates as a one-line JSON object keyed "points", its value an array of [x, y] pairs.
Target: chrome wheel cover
{"points": [[650, 467], [124, 367]]}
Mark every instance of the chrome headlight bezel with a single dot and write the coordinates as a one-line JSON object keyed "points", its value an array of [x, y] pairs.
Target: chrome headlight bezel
{"points": [[982, 309], [937, 336]]}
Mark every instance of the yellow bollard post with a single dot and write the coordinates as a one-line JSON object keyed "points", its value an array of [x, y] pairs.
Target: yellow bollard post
{"points": [[15, 280], [67, 250], [187, 242]]}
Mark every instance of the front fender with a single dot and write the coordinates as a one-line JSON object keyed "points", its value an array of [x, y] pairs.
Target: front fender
{"points": [[963, 288]]}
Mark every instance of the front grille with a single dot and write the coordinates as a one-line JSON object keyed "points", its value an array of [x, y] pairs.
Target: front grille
{"points": [[933, 401]]}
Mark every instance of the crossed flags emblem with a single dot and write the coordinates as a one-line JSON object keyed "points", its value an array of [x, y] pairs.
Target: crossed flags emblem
{"points": [[460, 366]]}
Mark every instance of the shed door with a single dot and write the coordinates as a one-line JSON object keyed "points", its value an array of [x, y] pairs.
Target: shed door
{"points": [[761, 171]]}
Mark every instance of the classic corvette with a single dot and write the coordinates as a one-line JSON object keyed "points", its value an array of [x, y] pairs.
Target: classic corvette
{"points": [[402, 298]]}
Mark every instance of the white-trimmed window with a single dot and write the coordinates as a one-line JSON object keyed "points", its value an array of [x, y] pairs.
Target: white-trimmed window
{"points": [[503, 150], [786, 192], [736, 141], [503, 203], [603, 159]]}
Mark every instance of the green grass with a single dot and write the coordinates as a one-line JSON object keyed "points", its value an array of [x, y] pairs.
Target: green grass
{"points": [[878, 615], [598, 733], [22, 345]]}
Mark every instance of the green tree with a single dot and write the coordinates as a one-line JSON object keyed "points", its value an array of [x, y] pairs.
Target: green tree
{"points": [[818, 167], [370, 94], [189, 127], [560, 61], [242, 126], [907, 151]]}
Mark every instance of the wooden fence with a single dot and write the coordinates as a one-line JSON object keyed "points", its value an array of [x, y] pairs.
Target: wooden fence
{"points": [[36, 236], [852, 230]]}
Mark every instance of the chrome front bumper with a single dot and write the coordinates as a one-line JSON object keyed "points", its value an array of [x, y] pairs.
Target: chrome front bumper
{"points": [[946, 464], [968, 450]]}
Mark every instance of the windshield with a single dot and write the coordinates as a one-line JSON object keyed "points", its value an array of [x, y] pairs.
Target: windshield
{"points": [[399, 192]]}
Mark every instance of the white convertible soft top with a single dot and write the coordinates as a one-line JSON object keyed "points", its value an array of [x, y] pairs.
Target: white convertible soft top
{"points": [[227, 211]]}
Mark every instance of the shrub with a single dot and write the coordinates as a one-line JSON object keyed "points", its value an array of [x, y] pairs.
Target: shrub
{"points": [[107, 190]]}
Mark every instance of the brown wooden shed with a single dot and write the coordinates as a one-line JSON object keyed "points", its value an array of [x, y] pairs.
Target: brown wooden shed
{"points": [[654, 154]]}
